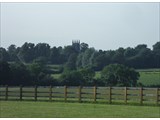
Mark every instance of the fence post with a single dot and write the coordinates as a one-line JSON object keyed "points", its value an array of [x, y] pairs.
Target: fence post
{"points": [[157, 96], [141, 95], [6, 95], [110, 95], [35, 93], [79, 94], [20, 92], [65, 93], [50, 92], [94, 93], [125, 95]]}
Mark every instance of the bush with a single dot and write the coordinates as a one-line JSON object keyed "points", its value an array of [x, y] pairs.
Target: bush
{"points": [[119, 75]]}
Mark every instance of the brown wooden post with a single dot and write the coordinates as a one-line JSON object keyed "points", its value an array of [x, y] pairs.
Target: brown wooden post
{"points": [[50, 93], [110, 95], [141, 95], [20, 96], [65, 93], [6, 95], [79, 93], [157, 96], [35, 93], [94, 93], [125, 95]]}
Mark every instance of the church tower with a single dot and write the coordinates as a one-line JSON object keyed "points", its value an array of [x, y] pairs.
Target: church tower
{"points": [[76, 45]]}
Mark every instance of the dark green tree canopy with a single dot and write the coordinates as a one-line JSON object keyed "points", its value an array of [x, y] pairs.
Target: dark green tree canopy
{"points": [[72, 78], [4, 56], [5, 73], [119, 75], [139, 57], [78, 58]]}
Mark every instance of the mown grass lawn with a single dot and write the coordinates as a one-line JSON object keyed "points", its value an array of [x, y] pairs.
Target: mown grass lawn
{"points": [[28, 109]]}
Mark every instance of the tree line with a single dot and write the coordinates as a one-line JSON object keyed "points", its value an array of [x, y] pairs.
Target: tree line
{"points": [[139, 57]]}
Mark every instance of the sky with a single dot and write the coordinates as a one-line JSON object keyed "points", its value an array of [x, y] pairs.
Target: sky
{"points": [[101, 25]]}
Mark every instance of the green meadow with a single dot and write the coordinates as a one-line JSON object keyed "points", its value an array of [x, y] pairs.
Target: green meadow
{"points": [[149, 77], [28, 109]]}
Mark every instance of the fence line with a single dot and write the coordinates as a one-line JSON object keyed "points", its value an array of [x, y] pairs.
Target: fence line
{"points": [[50, 93], [6, 97], [80, 94], [20, 93], [94, 93], [110, 95], [35, 93], [125, 95]]}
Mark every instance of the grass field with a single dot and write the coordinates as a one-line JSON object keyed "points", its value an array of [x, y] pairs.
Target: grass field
{"points": [[17, 109], [149, 78]]}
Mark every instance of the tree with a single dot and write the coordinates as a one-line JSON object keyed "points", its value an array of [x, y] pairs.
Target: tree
{"points": [[79, 60], [129, 52], [36, 69], [109, 54], [156, 53], [156, 46], [72, 78], [87, 76], [84, 47], [67, 51], [71, 63], [88, 57], [20, 74], [140, 46], [54, 55], [118, 57], [42, 50], [5, 73], [144, 58], [120, 75], [41, 74], [4, 56], [26, 52], [12, 51], [100, 60]]}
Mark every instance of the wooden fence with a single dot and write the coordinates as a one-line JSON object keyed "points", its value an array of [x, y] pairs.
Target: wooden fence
{"points": [[82, 94]]}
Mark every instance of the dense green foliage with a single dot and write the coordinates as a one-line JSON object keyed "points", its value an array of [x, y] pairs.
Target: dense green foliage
{"points": [[20, 74], [80, 55], [16, 109], [116, 74], [31, 64], [81, 77], [39, 73]]}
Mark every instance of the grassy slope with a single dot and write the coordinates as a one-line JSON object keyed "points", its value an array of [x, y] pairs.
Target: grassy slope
{"points": [[23, 109]]}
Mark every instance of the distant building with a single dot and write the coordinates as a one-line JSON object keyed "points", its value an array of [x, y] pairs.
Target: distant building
{"points": [[76, 45]]}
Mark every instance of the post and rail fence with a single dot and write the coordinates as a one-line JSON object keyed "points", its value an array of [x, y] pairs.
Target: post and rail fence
{"points": [[82, 94]]}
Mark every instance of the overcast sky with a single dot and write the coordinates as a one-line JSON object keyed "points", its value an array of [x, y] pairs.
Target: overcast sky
{"points": [[101, 25]]}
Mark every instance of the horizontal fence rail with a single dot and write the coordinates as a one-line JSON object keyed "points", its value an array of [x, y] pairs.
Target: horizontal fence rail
{"points": [[82, 94]]}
